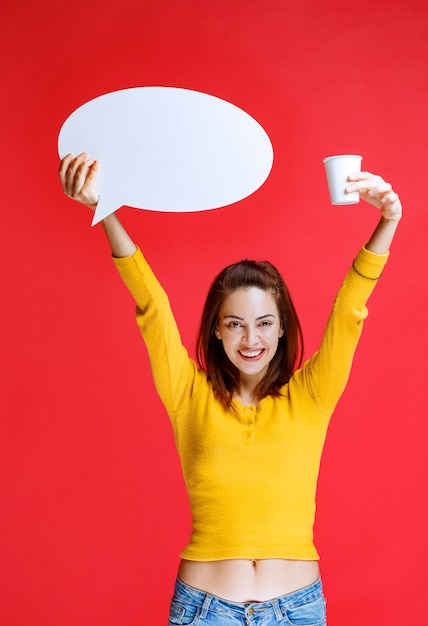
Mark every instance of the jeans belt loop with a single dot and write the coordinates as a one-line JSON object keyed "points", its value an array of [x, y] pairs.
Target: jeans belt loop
{"points": [[205, 606], [277, 610]]}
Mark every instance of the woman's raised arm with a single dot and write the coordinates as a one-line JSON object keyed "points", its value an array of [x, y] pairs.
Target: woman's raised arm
{"points": [[78, 176], [376, 191]]}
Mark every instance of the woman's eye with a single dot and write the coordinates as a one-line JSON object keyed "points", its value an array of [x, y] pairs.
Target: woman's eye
{"points": [[266, 323], [234, 325]]}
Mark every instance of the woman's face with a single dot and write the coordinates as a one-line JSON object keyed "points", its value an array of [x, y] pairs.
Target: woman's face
{"points": [[249, 329]]}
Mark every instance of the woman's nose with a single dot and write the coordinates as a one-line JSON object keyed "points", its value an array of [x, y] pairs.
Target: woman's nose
{"points": [[250, 336]]}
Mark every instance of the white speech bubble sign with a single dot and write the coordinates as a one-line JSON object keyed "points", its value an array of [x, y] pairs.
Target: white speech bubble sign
{"points": [[168, 149]]}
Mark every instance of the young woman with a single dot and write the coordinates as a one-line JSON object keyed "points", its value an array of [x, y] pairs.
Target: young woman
{"points": [[249, 422]]}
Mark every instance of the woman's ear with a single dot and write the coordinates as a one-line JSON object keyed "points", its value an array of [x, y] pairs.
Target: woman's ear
{"points": [[217, 333], [281, 332]]}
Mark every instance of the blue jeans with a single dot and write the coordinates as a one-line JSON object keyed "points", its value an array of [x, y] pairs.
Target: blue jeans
{"points": [[192, 607]]}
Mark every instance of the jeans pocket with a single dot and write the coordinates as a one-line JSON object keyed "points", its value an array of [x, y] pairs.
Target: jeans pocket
{"points": [[310, 614], [183, 614]]}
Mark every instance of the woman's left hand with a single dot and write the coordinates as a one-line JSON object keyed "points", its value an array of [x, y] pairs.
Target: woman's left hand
{"points": [[374, 190]]}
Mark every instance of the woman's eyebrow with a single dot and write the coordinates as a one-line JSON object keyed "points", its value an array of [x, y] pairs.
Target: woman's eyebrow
{"points": [[261, 317], [236, 317]]}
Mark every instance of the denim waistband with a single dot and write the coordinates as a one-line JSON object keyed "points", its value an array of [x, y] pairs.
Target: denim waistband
{"points": [[213, 603]]}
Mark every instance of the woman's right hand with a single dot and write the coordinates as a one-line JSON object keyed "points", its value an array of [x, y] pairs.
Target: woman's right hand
{"points": [[77, 176]]}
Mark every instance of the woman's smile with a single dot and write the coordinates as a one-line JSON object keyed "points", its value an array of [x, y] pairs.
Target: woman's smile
{"points": [[251, 355]]}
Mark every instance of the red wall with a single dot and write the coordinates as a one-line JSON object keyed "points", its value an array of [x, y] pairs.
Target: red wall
{"points": [[93, 512]]}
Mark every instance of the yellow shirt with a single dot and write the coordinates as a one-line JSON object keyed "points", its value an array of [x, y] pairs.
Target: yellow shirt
{"points": [[251, 473]]}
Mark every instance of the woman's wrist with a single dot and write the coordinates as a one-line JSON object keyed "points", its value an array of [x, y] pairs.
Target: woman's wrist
{"points": [[393, 218], [383, 235]]}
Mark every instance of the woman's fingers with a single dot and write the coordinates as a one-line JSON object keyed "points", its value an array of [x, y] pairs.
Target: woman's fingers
{"points": [[67, 171], [77, 175], [82, 177], [63, 171], [368, 184], [375, 190]]}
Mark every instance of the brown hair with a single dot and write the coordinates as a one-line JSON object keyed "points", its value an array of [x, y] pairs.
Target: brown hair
{"points": [[224, 376]]}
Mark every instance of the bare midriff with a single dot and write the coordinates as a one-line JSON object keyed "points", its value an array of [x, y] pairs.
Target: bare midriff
{"points": [[245, 580]]}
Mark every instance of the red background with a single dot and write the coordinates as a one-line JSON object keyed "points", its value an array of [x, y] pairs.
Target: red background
{"points": [[93, 510]]}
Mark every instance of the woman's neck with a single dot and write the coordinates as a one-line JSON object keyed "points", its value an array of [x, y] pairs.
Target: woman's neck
{"points": [[246, 393]]}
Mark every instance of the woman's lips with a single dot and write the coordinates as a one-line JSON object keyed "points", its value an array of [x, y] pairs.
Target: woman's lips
{"points": [[251, 355]]}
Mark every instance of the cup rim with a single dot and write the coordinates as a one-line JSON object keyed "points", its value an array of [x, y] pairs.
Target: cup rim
{"points": [[342, 156]]}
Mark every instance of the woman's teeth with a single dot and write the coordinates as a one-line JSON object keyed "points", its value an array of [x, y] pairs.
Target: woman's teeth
{"points": [[251, 353]]}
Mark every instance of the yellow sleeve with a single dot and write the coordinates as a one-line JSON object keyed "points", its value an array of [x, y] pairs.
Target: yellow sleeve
{"points": [[324, 376], [174, 373]]}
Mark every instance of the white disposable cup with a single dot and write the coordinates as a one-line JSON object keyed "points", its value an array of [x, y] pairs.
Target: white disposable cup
{"points": [[337, 169]]}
